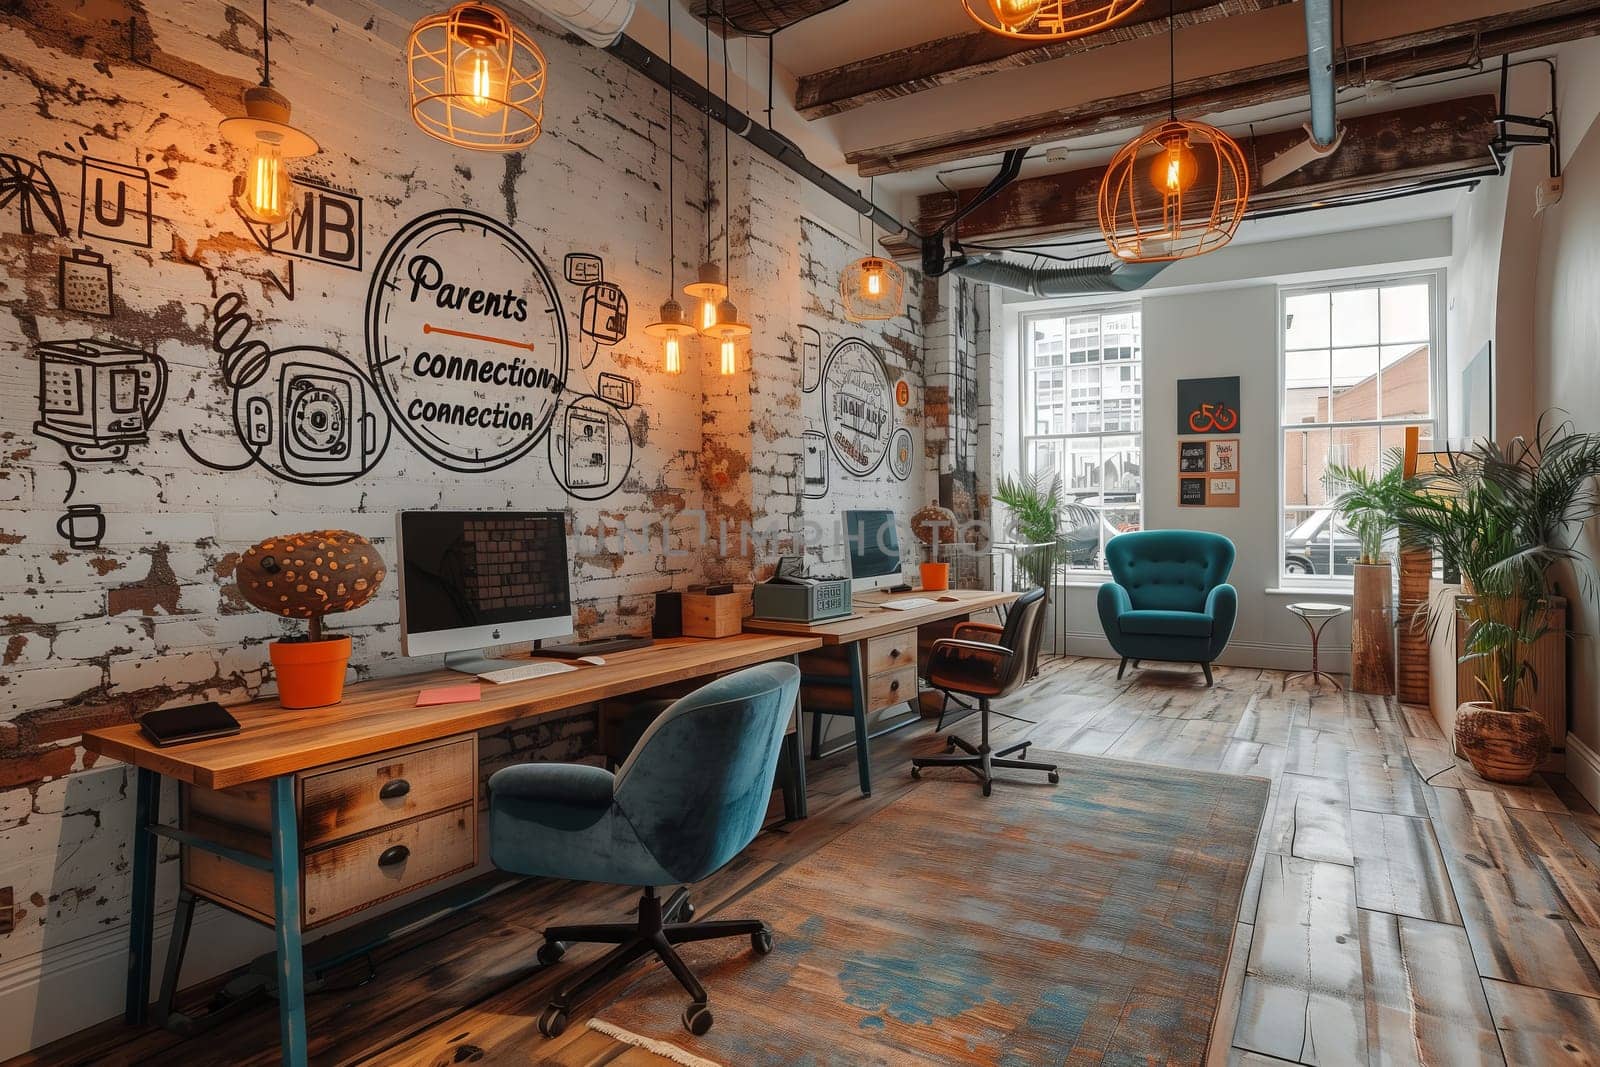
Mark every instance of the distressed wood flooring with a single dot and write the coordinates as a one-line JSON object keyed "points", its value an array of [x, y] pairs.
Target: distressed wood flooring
{"points": [[1400, 910]]}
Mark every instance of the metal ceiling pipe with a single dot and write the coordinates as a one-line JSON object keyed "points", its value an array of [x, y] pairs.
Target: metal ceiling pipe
{"points": [[771, 142], [1319, 59], [1113, 276]]}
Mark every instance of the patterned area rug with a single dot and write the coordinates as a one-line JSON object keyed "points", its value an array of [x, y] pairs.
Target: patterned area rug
{"points": [[1084, 923]]}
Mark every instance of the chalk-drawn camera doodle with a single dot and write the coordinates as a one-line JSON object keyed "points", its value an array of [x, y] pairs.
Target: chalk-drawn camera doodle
{"points": [[27, 188], [98, 398], [306, 414], [591, 452], [466, 340], [603, 312], [857, 409]]}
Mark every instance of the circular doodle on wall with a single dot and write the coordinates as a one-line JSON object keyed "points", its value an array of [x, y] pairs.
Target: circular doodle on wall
{"points": [[466, 340], [590, 449], [900, 454], [308, 416], [857, 406]]}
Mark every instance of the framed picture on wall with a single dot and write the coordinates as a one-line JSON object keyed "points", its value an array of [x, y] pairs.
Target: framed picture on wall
{"points": [[1208, 405], [1191, 492], [1191, 457], [1224, 457]]}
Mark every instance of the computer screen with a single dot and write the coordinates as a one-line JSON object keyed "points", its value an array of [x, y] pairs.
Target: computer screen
{"points": [[872, 545], [469, 579]]}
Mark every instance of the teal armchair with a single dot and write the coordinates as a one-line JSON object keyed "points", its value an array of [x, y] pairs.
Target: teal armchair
{"points": [[688, 799], [1168, 599]]}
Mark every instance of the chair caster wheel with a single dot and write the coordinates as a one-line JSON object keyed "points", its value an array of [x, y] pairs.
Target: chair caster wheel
{"points": [[988, 789], [697, 1019], [1055, 779], [686, 911], [551, 952], [949, 746], [916, 772], [761, 942], [552, 1022]]}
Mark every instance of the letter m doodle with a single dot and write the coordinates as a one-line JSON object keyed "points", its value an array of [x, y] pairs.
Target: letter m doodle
{"points": [[325, 227]]}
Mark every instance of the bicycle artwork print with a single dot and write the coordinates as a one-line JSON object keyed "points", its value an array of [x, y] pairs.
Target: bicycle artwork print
{"points": [[1208, 406]]}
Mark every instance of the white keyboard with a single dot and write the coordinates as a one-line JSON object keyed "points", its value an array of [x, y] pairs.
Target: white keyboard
{"points": [[523, 672], [908, 603]]}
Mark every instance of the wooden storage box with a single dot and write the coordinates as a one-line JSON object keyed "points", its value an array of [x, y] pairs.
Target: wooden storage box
{"points": [[712, 616]]}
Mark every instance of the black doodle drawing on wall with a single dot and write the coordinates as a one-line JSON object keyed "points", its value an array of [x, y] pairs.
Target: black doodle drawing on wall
{"points": [[98, 398], [82, 526], [306, 414], [591, 450], [618, 391], [810, 359], [857, 408], [813, 464], [900, 454], [84, 283], [324, 225], [603, 310], [467, 341], [115, 202], [26, 188]]}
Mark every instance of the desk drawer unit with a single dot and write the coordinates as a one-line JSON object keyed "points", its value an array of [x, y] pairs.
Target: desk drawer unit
{"points": [[369, 831]]}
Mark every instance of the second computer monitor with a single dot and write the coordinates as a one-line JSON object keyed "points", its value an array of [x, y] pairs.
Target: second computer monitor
{"points": [[872, 545]]}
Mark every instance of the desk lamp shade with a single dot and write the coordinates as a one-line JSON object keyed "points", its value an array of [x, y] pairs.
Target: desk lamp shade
{"points": [[1049, 20], [1179, 189], [476, 80], [872, 289]]}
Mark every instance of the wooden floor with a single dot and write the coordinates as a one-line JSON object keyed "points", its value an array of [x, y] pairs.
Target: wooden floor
{"points": [[1401, 910]]}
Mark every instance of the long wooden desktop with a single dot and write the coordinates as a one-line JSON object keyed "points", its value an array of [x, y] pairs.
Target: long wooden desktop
{"points": [[870, 657], [306, 817]]}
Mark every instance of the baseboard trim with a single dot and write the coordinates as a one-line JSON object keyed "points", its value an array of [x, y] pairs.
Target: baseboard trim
{"points": [[1287, 657], [1583, 769]]}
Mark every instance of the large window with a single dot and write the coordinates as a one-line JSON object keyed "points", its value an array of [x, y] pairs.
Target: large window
{"points": [[1358, 369], [1083, 416]]}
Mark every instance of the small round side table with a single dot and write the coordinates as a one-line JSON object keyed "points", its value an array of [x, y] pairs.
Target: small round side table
{"points": [[1316, 615]]}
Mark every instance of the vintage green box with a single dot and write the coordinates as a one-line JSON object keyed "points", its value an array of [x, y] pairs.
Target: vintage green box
{"points": [[803, 601]]}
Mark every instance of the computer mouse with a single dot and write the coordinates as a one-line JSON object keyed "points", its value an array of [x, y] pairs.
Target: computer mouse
{"points": [[949, 600], [598, 661]]}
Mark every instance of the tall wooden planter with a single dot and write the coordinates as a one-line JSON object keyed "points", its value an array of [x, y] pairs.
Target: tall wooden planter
{"points": [[1411, 644], [1372, 630]]}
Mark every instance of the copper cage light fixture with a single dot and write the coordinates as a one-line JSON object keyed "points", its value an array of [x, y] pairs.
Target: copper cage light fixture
{"points": [[873, 289], [1048, 20], [1179, 189], [476, 80]]}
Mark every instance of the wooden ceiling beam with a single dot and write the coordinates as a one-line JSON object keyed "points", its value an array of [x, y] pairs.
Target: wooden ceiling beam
{"points": [[972, 55], [1386, 151], [759, 16], [1410, 55]]}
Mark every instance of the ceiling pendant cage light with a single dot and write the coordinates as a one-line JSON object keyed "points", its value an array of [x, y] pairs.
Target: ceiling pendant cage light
{"points": [[873, 288], [1178, 190], [477, 81], [263, 192], [673, 327], [1049, 20]]}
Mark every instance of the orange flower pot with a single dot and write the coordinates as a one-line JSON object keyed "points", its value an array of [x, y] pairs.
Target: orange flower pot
{"points": [[310, 673], [935, 576]]}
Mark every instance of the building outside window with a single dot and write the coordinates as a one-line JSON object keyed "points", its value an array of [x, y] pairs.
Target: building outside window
{"points": [[1083, 419], [1358, 369]]}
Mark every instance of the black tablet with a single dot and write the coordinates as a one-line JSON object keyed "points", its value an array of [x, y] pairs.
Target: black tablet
{"points": [[197, 722]]}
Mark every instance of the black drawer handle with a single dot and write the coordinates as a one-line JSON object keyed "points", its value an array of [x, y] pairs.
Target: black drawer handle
{"points": [[894, 686], [397, 788], [894, 653], [393, 855]]}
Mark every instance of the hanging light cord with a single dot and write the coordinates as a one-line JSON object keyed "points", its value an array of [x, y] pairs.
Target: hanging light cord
{"points": [[266, 48], [708, 140], [727, 209], [672, 201], [1172, 61]]}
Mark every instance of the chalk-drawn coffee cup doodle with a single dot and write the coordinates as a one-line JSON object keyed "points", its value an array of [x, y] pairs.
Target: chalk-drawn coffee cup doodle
{"points": [[857, 409], [466, 340], [900, 454], [591, 450], [83, 526], [97, 398]]}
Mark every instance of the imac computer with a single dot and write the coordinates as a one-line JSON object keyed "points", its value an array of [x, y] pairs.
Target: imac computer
{"points": [[872, 545], [470, 579]]}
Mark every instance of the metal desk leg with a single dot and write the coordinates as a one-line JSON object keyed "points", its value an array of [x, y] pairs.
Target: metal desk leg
{"points": [[141, 927], [286, 909], [182, 920], [858, 707], [795, 795]]}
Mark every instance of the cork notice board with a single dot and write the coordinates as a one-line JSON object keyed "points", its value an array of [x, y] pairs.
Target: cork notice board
{"points": [[1208, 473]]}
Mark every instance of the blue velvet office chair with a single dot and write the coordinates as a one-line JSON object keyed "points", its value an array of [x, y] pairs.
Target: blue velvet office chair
{"points": [[688, 799], [1168, 598]]}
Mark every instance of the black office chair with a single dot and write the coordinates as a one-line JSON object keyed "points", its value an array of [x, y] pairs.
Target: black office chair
{"points": [[985, 661]]}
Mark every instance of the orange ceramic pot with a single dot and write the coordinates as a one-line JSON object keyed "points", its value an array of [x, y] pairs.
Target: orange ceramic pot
{"points": [[935, 576], [310, 673]]}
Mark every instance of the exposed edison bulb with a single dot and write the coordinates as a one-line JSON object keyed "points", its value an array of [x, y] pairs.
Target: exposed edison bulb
{"points": [[1174, 169], [873, 284], [708, 315], [672, 356], [730, 358], [1015, 14], [265, 196], [480, 79]]}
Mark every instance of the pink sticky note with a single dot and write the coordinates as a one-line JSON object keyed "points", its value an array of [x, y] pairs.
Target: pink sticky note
{"points": [[450, 694]]}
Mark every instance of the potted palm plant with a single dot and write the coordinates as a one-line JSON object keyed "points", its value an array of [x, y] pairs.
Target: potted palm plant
{"points": [[1040, 517], [1369, 504], [1504, 517]]}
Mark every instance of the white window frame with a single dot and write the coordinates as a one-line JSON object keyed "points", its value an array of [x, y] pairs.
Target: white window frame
{"points": [[1437, 373], [1026, 416]]}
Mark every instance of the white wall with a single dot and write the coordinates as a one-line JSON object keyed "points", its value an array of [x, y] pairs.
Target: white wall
{"points": [[1218, 316]]}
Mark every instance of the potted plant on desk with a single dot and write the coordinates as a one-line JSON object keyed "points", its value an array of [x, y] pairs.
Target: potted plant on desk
{"points": [[934, 526], [1369, 504], [310, 576]]}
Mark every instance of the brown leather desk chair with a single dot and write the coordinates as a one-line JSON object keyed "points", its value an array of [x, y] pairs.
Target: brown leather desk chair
{"points": [[985, 661]]}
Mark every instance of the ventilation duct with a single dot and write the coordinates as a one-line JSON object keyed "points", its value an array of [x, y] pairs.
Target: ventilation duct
{"points": [[600, 22], [1109, 276], [1319, 62]]}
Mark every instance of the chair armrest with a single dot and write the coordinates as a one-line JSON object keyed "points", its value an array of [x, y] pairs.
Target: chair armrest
{"points": [[952, 657], [577, 785], [951, 645], [1222, 604], [976, 631], [1113, 601]]}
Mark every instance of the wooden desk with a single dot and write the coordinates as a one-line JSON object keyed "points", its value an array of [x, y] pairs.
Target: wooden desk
{"points": [[879, 649], [307, 816]]}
